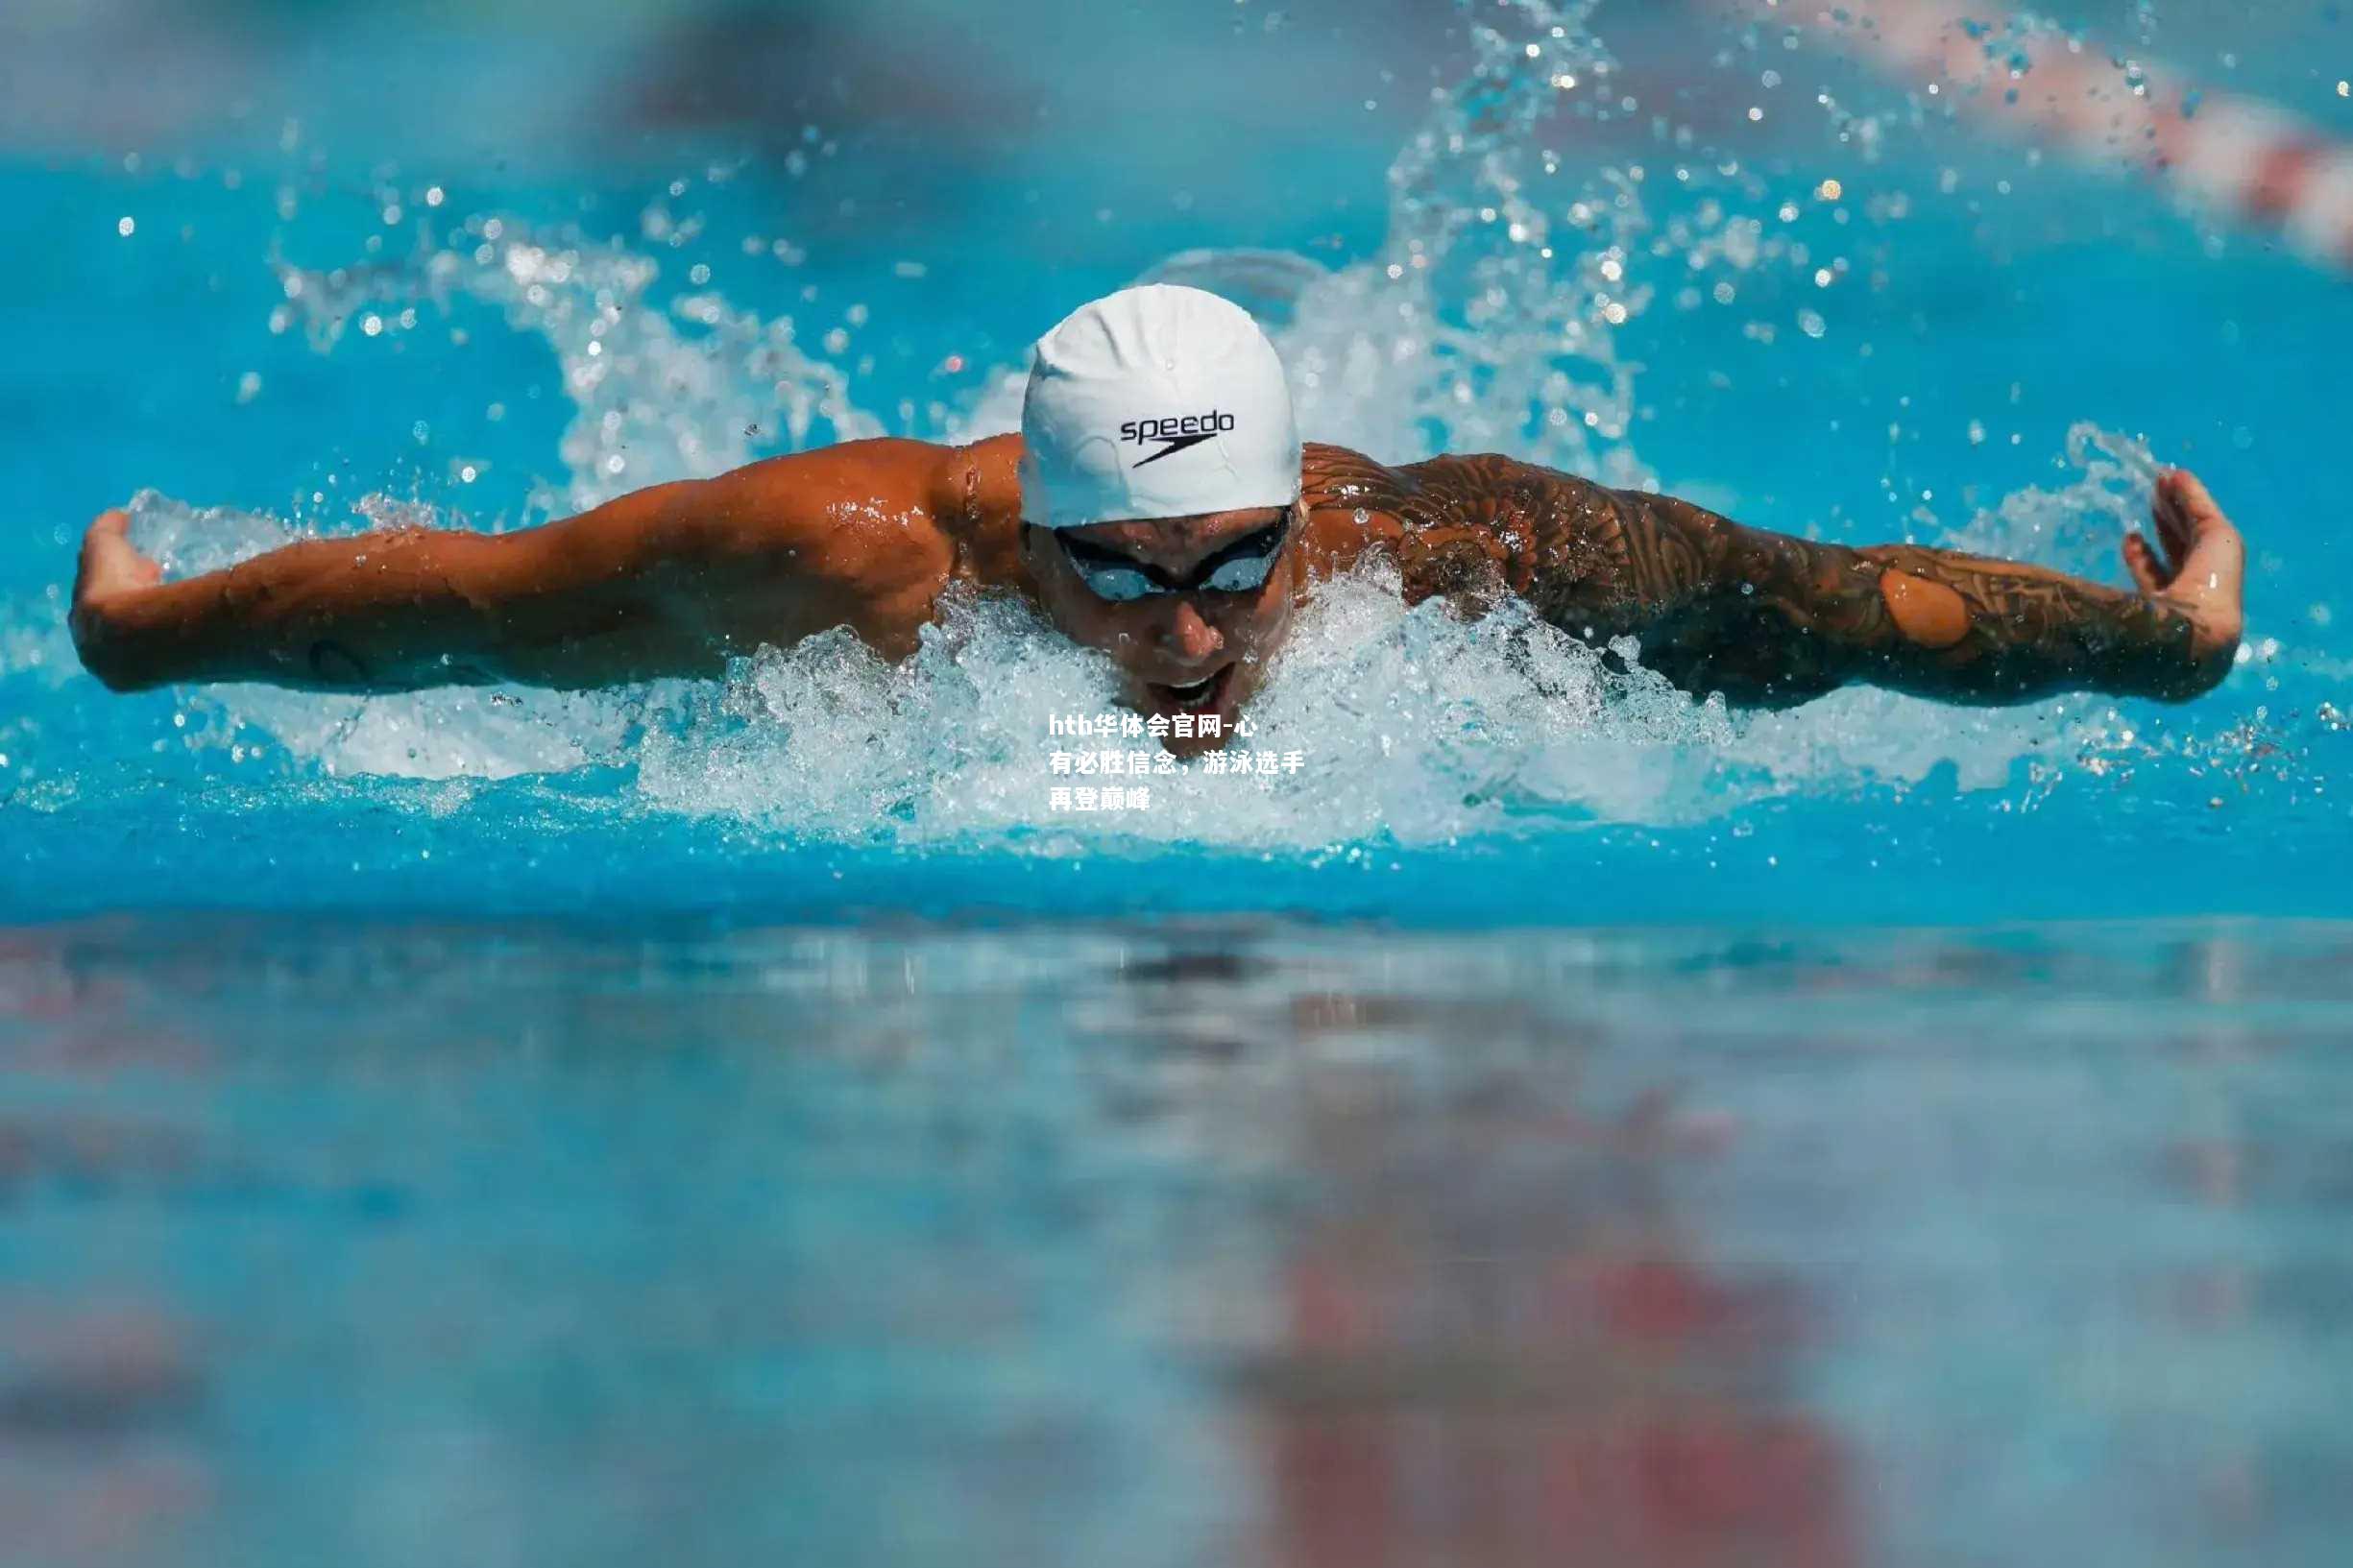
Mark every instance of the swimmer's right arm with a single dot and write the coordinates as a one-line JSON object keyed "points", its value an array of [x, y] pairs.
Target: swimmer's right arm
{"points": [[668, 581], [1770, 620]]}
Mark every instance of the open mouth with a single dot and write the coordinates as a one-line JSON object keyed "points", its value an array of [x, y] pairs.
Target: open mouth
{"points": [[1199, 694]]}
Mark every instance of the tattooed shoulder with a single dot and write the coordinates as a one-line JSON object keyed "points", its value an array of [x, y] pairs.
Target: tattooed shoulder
{"points": [[1471, 527]]}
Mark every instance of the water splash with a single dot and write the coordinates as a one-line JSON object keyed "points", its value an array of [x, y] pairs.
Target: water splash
{"points": [[1409, 727], [658, 396], [1492, 317]]}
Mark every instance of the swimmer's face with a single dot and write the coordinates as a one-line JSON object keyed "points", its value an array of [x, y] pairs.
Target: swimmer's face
{"points": [[1204, 649]]}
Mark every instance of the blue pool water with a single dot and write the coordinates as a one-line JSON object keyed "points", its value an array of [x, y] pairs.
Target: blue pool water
{"points": [[1561, 1122], [1998, 365], [1204, 1243]]}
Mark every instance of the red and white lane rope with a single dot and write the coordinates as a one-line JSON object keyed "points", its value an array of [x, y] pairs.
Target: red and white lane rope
{"points": [[2241, 155]]}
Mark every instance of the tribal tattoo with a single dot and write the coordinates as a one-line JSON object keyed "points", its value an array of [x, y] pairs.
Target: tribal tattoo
{"points": [[1766, 619]]}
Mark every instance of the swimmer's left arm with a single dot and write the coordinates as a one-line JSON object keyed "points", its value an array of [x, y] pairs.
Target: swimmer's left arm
{"points": [[1771, 620]]}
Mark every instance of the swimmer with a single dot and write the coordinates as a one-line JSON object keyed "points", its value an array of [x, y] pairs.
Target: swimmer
{"points": [[1158, 505]]}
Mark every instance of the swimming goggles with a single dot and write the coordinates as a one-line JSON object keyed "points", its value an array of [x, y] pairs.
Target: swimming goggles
{"points": [[1241, 567]]}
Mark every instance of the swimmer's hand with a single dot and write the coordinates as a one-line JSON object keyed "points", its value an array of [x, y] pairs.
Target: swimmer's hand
{"points": [[2199, 572], [109, 581]]}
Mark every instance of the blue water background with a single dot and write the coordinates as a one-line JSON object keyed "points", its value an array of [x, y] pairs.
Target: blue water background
{"points": [[2038, 295], [1879, 1135]]}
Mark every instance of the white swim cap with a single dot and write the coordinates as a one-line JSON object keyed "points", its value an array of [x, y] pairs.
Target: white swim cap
{"points": [[1157, 402]]}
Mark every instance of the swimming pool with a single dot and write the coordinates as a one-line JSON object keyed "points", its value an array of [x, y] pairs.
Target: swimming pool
{"points": [[1174, 1243], [740, 1116]]}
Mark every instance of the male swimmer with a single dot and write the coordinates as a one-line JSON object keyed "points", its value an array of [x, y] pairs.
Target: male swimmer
{"points": [[1158, 505]]}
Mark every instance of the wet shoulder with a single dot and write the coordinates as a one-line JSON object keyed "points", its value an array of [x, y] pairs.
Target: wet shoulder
{"points": [[980, 511], [1355, 503], [1458, 524], [1445, 490]]}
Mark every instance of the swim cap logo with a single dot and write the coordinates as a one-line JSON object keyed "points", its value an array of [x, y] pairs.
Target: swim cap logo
{"points": [[1190, 430]]}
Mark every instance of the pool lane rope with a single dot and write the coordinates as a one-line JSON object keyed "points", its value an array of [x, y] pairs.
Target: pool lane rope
{"points": [[2237, 153]]}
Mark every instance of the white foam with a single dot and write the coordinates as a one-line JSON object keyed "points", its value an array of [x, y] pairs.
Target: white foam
{"points": [[1459, 333]]}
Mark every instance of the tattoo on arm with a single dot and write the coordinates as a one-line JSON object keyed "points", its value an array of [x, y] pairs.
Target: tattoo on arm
{"points": [[2029, 631], [1765, 619]]}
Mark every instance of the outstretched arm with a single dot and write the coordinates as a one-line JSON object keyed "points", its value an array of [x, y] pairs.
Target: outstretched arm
{"points": [[1770, 620], [667, 581]]}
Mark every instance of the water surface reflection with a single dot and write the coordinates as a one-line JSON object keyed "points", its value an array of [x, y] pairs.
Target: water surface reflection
{"points": [[1212, 1242]]}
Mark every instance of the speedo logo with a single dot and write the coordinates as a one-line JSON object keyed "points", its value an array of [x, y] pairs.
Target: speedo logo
{"points": [[1190, 430]]}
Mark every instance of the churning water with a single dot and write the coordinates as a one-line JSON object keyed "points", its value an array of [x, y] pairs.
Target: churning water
{"points": [[1647, 315]]}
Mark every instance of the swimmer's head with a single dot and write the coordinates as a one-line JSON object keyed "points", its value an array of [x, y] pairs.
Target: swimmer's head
{"points": [[1160, 492]]}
